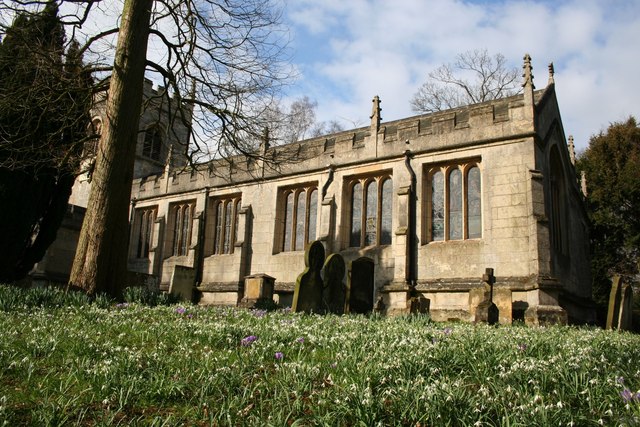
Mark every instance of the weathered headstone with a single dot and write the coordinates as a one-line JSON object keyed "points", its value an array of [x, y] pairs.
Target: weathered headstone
{"points": [[487, 311], [307, 295], [613, 313], [625, 316], [335, 291], [182, 282]]}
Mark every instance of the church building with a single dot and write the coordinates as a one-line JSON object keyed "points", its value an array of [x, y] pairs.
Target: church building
{"points": [[418, 208]]}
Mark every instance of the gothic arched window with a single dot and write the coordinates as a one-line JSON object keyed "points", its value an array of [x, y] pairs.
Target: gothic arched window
{"points": [[144, 219], [299, 216], [182, 225], [152, 147], [225, 225], [454, 203], [371, 211]]}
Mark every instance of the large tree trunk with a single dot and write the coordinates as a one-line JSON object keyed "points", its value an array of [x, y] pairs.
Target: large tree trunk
{"points": [[100, 264]]}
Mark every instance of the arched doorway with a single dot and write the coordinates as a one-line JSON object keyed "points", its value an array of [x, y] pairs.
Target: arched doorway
{"points": [[361, 280]]}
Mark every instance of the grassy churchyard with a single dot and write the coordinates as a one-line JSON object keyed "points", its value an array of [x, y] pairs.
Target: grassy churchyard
{"points": [[66, 361]]}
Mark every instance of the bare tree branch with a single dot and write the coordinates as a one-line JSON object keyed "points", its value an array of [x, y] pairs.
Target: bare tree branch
{"points": [[474, 77]]}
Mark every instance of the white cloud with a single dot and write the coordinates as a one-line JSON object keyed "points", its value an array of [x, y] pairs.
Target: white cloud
{"points": [[357, 49]]}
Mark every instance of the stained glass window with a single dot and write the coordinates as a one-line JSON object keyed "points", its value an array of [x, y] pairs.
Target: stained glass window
{"points": [[356, 215], [474, 212], [437, 206], [386, 212], [455, 205]]}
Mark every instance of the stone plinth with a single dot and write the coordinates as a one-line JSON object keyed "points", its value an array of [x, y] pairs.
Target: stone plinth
{"points": [[257, 287]]}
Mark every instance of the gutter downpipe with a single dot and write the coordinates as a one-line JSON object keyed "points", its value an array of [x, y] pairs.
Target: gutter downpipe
{"points": [[411, 226], [326, 185], [200, 245]]}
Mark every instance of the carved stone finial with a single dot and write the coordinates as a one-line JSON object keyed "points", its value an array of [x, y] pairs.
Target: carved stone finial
{"points": [[572, 150], [583, 183], [375, 113], [551, 73], [264, 146], [528, 75]]}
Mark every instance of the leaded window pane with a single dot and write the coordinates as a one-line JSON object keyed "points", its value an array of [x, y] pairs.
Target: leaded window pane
{"points": [[386, 212], [177, 230], [356, 215], [437, 206], [143, 225], [288, 222], [474, 214], [227, 228], [313, 215], [300, 220], [455, 205], [371, 223], [186, 225], [236, 217], [219, 229]]}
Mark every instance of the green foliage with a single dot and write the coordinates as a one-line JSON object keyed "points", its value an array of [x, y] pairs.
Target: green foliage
{"points": [[612, 167], [45, 98], [12, 298], [148, 296], [136, 365]]}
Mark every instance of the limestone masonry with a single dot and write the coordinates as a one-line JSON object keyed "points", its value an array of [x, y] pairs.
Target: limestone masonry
{"points": [[418, 208]]}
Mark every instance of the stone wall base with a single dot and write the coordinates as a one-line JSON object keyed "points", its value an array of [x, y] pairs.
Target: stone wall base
{"points": [[545, 315]]}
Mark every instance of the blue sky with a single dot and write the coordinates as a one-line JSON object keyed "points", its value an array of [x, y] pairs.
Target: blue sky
{"points": [[347, 51]]}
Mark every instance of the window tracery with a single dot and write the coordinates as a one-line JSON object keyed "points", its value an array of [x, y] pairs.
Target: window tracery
{"points": [[454, 207]]}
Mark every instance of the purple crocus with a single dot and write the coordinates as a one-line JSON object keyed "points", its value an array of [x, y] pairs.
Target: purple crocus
{"points": [[279, 355], [181, 310], [246, 341], [626, 395], [300, 340]]}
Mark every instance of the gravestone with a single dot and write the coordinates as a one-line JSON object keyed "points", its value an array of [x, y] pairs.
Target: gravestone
{"points": [[613, 314], [182, 282], [360, 288], [487, 311], [307, 295], [625, 316], [335, 291]]}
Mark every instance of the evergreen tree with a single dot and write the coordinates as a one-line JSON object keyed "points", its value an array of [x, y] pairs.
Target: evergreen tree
{"points": [[612, 167], [45, 99]]}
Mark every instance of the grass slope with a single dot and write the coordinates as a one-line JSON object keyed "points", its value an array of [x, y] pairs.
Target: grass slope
{"points": [[131, 364]]}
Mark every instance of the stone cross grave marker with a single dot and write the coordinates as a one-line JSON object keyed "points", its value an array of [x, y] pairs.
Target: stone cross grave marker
{"points": [[487, 311], [335, 291], [307, 295]]}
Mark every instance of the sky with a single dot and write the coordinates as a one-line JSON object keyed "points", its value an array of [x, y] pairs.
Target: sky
{"points": [[347, 51]]}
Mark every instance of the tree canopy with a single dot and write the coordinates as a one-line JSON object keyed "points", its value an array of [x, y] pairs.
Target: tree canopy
{"points": [[612, 167], [45, 98], [475, 76], [220, 62]]}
